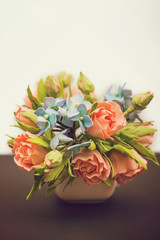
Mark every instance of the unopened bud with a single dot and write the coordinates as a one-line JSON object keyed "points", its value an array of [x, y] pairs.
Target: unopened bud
{"points": [[53, 157], [65, 78], [141, 101], [85, 85], [53, 86]]}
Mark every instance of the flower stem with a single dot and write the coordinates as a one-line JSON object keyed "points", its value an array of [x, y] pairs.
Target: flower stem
{"points": [[129, 110]]}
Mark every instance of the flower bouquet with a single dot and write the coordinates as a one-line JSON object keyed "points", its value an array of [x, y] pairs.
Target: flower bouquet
{"points": [[70, 135]]}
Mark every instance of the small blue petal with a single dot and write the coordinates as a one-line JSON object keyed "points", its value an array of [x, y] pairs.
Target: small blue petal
{"points": [[49, 102], [54, 142], [66, 121], [40, 112], [77, 98], [82, 126], [60, 101], [42, 124], [51, 111], [82, 109], [52, 119], [63, 138], [62, 111], [87, 104], [76, 148], [87, 122], [75, 117]]}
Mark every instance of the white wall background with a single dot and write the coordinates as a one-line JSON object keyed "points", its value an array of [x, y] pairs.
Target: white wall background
{"points": [[111, 41]]}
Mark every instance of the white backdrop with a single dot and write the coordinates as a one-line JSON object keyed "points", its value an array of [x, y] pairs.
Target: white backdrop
{"points": [[110, 41]]}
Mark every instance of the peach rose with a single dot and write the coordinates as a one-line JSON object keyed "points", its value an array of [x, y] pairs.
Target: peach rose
{"points": [[91, 166], [107, 119], [27, 155], [147, 139], [24, 119], [125, 168]]}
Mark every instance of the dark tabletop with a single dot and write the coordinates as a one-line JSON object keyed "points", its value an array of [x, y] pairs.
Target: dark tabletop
{"points": [[133, 212]]}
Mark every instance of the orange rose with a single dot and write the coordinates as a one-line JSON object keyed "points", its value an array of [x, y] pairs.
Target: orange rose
{"points": [[27, 155], [125, 168], [24, 119], [107, 119], [91, 166]]}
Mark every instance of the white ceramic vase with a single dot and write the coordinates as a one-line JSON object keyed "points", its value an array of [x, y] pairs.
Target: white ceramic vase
{"points": [[80, 192]]}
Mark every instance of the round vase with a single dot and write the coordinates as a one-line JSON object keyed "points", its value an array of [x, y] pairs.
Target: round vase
{"points": [[80, 192]]}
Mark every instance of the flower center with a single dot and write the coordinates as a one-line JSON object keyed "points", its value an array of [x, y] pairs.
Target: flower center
{"points": [[76, 104], [116, 94], [81, 118], [46, 116]]}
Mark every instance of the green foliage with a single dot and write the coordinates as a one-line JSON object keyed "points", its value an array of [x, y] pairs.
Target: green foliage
{"points": [[93, 107], [37, 180], [92, 146], [84, 84], [53, 173], [28, 128], [41, 91], [129, 152], [107, 182], [35, 103], [30, 115], [70, 171], [132, 130], [52, 185], [41, 141]]}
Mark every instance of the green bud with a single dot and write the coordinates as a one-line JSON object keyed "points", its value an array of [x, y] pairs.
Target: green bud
{"points": [[53, 158], [65, 78], [141, 101], [85, 85], [54, 87]]}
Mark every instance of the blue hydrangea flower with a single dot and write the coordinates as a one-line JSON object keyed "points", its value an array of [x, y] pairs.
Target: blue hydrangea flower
{"points": [[78, 99], [59, 137], [63, 112], [46, 118], [76, 148], [74, 102], [114, 94], [84, 120], [50, 102]]}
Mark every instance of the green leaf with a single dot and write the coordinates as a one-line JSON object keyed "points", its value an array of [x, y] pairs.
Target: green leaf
{"points": [[10, 143], [110, 164], [107, 182], [93, 107], [52, 186], [70, 168], [36, 182], [54, 173], [48, 134], [67, 155], [35, 103], [9, 136], [144, 151], [132, 130], [30, 115], [92, 146], [39, 141], [129, 152], [41, 91], [28, 128]]}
